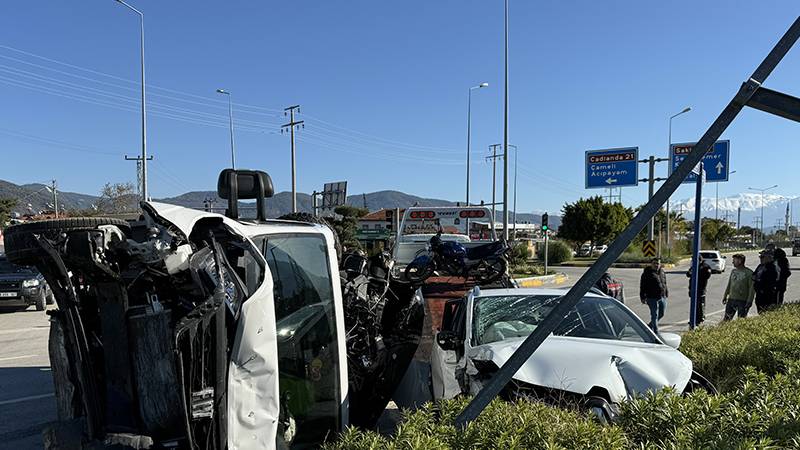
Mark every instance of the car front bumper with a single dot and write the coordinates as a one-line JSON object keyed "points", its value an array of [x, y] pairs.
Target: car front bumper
{"points": [[22, 297]]}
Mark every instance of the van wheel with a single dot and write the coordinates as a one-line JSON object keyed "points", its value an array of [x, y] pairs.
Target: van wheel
{"points": [[22, 248]]}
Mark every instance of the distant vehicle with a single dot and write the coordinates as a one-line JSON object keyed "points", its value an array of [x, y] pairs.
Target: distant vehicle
{"points": [[796, 247], [600, 249], [714, 260], [585, 250], [612, 355], [22, 286]]}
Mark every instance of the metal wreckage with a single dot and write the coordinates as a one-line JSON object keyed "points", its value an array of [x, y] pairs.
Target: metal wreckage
{"points": [[194, 330]]}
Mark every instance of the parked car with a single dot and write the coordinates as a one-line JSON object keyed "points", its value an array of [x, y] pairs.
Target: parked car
{"points": [[715, 260], [600, 355], [600, 249], [584, 250], [22, 286]]}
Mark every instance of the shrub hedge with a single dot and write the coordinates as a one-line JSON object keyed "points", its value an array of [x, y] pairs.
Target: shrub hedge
{"points": [[755, 363], [557, 252]]}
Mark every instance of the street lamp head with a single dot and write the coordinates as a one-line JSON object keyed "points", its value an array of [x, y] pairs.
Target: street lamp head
{"points": [[484, 85], [687, 109], [223, 91]]}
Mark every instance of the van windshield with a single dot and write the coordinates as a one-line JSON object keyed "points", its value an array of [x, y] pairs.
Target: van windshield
{"points": [[456, 224]]}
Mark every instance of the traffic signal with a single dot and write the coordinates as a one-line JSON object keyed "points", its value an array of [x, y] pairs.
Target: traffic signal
{"points": [[544, 222]]}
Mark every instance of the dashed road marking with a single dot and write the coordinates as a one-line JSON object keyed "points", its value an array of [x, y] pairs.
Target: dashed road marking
{"points": [[17, 357], [26, 399]]}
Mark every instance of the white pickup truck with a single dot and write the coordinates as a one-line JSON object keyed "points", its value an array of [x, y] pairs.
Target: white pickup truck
{"points": [[190, 329]]}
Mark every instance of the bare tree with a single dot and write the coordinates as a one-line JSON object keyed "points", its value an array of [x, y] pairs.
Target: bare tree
{"points": [[118, 198]]}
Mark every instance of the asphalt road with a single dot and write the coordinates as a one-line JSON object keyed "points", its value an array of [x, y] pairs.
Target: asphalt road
{"points": [[676, 316], [26, 386]]}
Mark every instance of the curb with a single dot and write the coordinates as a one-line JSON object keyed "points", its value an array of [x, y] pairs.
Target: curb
{"points": [[559, 278]]}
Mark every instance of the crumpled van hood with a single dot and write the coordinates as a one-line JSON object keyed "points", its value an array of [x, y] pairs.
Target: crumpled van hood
{"points": [[577, 365]]}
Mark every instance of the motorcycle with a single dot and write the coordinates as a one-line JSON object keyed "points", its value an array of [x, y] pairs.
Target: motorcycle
{"points": [[484, 263]]}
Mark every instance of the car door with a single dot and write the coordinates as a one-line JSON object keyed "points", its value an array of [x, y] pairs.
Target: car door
{"points": [[445, 361]]}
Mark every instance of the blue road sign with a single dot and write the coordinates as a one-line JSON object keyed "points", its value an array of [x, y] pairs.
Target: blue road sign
{"points": [[716, 163], [613, 167]]}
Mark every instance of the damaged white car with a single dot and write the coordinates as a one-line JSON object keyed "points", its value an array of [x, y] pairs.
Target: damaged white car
{"points": [[600, 355]]}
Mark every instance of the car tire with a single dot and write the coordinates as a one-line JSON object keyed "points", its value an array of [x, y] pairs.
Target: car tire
{"points": [[601, 408], [41, 302], [20, 240], [50, 299]]}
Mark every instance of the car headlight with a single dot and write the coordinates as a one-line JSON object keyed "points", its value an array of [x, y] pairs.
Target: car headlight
{"points": [[30, 283]]}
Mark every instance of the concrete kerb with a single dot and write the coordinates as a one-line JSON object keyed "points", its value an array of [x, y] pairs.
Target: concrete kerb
{"points": [[555, 279]]}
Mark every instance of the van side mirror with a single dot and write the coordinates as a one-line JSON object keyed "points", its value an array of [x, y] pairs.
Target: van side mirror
{"points": [[448, 340], [244, 184], [671, 339]]}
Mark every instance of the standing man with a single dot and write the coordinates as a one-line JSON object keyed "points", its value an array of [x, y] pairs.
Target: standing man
{"points": [[702, 283], [765, 280], [785, 272], [739, 294], [653, 291]]}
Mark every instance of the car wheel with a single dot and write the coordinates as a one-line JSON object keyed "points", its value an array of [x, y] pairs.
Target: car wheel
{"points": [[41, 302], [50, 298], [602, 409], [22, 248]]}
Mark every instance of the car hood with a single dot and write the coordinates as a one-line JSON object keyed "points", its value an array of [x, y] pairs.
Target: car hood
{"points": [[624, 369], [17, 276]]}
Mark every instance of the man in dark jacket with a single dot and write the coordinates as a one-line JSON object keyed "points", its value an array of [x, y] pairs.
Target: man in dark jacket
{"points": [[702, 283], [765, 280], [785, 272], [653, 291]]}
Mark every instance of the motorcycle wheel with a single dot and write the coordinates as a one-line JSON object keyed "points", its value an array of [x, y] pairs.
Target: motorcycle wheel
{"points": [[492, 271], [417, 273]]}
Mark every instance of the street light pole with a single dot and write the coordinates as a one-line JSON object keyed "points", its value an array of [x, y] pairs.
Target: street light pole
{"points": [[145, 195], [469, 128], [762, 207], [230, 124], [505, 134], [669, 149]]}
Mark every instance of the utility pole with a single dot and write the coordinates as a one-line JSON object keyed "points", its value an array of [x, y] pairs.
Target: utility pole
{"points": [[141, 170], [651, 180], [55, 197], [738, 217], [505, 135], [364, 199], [494, 157], [291, 126], [143, 158]]}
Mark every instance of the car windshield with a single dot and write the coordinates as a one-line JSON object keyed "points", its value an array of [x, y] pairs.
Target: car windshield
{"points": [[7, 267], [514, 316], [709, 255]]}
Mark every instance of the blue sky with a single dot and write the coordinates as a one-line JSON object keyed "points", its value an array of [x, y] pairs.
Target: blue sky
{"points": [[383, 88]]}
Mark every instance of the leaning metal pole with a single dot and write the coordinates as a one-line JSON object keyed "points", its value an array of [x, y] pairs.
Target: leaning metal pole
{"points": [[696, 242], [566, 303]]}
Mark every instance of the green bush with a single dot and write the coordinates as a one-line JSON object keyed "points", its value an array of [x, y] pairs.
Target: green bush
{"points": [[767, 342], [557, 252], [761, 413], [519, 425]]}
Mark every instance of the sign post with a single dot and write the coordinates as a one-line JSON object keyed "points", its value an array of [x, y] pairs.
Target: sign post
{"points": [[696, 247], [615, 167]]}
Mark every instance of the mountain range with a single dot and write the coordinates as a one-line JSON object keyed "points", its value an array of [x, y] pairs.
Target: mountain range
{"points": [[33, 198], [750, 203]]}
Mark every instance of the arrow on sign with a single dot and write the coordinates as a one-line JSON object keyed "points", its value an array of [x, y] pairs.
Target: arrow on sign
{"points": [[611, 180], [719, 167]]}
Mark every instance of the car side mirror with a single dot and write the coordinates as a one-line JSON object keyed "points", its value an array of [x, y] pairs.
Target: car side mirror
{"points": [[671, 339], [448, 340]]}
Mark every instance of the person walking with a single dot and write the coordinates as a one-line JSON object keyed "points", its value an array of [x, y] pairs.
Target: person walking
{"points": [[785, 272], [765, 281], [654, 292], [702, 283], [738, 296]]}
